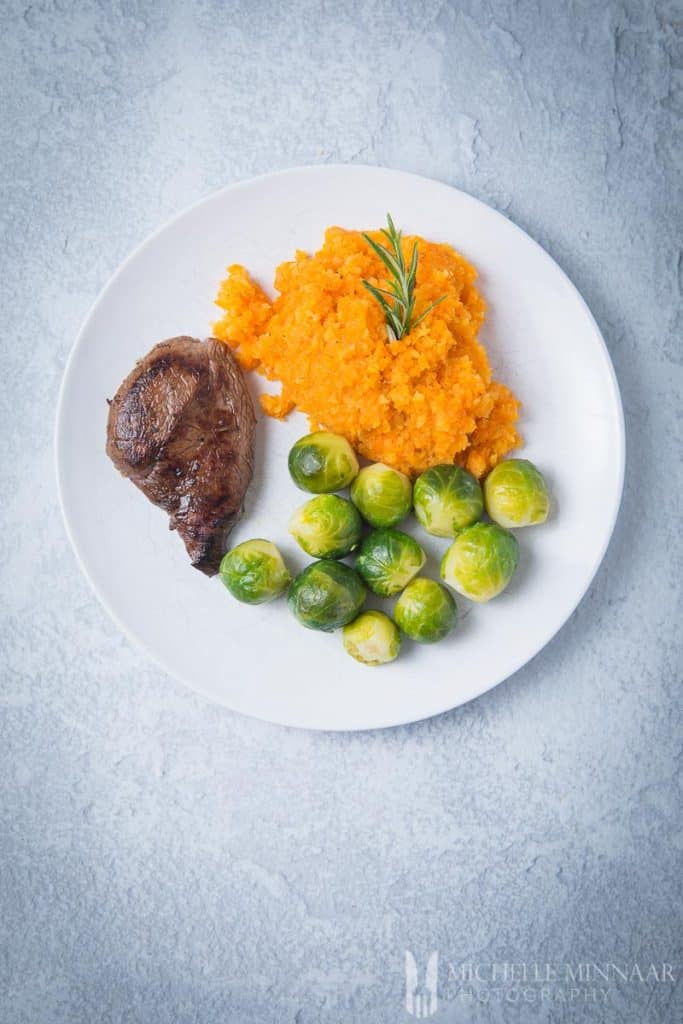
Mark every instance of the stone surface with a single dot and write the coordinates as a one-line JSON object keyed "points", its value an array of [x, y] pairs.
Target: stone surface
{"points": [[165, 860]]}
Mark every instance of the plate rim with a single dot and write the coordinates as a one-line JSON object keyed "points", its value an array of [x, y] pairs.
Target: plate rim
{"points": [[136, 641]]}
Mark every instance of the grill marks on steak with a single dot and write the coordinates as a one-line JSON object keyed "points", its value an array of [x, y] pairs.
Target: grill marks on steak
{"points": [[181, 427]]}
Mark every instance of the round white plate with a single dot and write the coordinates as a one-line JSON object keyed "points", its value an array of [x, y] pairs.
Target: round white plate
{"points": [[542, 341]]}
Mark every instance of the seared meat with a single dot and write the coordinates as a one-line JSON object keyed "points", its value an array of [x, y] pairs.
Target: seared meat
{"points": [[181, 427]]}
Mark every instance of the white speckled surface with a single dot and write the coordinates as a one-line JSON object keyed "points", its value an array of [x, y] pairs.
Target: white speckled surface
{"points": [[165, 860]]}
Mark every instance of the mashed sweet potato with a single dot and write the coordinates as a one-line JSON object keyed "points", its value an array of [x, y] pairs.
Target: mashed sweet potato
{"points": [[428, 398]]}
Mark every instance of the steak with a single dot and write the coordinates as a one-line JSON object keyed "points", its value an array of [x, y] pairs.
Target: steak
{"points": [[181, 427]]}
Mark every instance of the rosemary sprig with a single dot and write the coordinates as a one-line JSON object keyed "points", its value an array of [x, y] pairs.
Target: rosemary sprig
{"points": [[398, 300]]}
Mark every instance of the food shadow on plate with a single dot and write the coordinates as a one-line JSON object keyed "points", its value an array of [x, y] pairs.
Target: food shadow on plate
{"points": [[526, 567], [413, 649], [554, 509]]}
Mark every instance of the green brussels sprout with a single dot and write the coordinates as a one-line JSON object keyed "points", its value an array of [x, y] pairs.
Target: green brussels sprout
{"points": [[446, 499], [326, 595], [254, 572], [327, 526], [322, 463], [382, 495], [516, 494], [425, 611], [388, 559], [372, 638], [480, 562]]}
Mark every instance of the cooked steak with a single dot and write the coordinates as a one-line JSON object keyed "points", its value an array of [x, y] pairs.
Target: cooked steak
{"points": [[181, 427]]}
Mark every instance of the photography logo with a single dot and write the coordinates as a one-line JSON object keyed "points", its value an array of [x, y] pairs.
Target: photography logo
{"points": [[421, 999]]}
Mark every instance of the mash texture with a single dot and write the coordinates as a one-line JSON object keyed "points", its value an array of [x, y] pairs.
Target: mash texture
{"points": [[426, 399]]}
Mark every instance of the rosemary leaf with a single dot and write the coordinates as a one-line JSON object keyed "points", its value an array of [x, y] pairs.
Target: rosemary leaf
{"points": [[391, 316], [399, 313], [386, 257], [413, 264], [424, 312], [392, 295]]}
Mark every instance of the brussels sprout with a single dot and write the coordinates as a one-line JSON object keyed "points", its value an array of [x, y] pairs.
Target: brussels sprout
{"points": [[326, 595], [254, 571], [480, 562], [322, 463], [425, 611], [388, 559], [372, 638], [516, 494], [446, 499], [327, 526], [382, 495]]}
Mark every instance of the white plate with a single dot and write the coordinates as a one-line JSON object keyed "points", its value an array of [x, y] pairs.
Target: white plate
{"points": [[542, 341]]}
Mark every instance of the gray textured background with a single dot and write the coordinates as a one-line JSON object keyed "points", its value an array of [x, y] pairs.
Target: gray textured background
{"points": [[165, 860]]}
